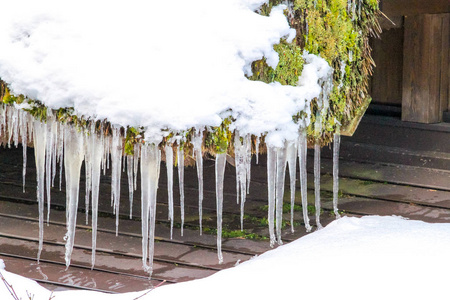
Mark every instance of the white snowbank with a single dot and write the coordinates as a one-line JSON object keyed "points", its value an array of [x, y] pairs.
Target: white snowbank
{"points": [[352, 258], [157, 64]]}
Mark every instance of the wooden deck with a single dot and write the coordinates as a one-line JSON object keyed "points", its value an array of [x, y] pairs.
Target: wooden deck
{"points": [[387, 168]]}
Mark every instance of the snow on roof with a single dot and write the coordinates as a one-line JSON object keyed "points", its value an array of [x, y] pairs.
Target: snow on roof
{"points": [[153, 64]]}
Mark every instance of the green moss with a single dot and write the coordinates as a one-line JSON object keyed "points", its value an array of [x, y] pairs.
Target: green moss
{"points": [[219, 138], [289, 67], [328, 29]]}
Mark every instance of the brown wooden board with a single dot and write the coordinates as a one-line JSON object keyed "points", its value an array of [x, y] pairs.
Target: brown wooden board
{"points": [[386, 84], [414, 7], [425, 63]]}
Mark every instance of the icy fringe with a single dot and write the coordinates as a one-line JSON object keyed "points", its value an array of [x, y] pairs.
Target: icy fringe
{"points": [[57, 143]]}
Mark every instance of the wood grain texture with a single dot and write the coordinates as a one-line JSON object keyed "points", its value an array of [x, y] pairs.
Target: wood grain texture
{"points": [[414, 7], [425, 68], [387, 78]]}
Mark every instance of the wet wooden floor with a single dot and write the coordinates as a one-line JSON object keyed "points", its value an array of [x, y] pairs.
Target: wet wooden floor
{"points": [[375, 179]]}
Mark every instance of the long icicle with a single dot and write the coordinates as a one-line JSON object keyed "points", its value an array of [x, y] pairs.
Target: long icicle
{"points": [[40, 138], [97, 149], [197, 143], [336, 146], [317, 182], [88, 172], [291, 155], [220, 174], [248, 159], [51, 137], [23, 119], [60, 151], [240, 159], [130, 174], [150, 169], [169, 167], [116, 162], [180, 164], [279, 190], [271, 170], [302, 154], [73, 158]]}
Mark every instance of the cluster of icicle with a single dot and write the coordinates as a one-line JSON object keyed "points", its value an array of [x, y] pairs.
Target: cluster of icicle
{"points": [[56, 143]]}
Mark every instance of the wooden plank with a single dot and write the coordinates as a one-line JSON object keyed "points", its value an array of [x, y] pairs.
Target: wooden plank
{"points": [[366, 206], [389, 173], [424, 54], [414, 7], [388, 192], [387, 77], [445, 62]]}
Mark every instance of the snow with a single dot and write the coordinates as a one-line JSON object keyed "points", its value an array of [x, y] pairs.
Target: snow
{"points": [[352, 258], [155, 65]]}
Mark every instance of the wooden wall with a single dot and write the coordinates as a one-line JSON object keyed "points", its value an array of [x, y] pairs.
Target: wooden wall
{"points": [[387, 77], [414, 7], [425, 67], [413, 59]]}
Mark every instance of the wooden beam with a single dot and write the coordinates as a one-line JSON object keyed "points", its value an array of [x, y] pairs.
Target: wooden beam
{"points": [[425, 68], [394, 8]]}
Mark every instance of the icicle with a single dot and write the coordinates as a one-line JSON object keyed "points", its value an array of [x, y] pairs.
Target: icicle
{"points": [[279, 187], [271, 170], [16, 126], [242, 170], [150, 167], [54, 151], [60, 152], [180, 164], [336, 145], [40, 137], [13, 125], [137, 154], [73, 158], [317, 182], [24, 135], [105, 160], [291, 155], [353, 10], [220, 174], [88, 173], [197, 143], [3, 120], [257, 149], [359, 9], [116, 162], [237, 163], [97, 150], [248, 159], [51, 137], [130, 174], [169, 167], [302, 154]]}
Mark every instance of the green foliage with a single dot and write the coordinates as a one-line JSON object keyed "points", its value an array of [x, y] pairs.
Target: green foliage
{"points": [[338, 34], [132, 137], [289, 67], [219, 138]]}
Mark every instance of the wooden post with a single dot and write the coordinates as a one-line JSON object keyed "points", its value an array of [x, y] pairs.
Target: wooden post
{"points": [[425, 67]]}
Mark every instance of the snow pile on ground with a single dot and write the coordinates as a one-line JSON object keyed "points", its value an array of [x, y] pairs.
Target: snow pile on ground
{"points": [[352, 258], [157, 64]]}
